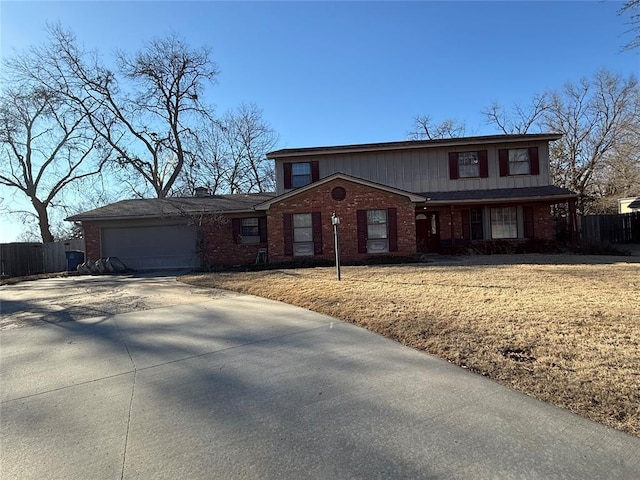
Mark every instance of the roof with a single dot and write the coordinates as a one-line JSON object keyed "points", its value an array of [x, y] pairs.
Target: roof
{"points": [[174, 207], [549, 192], [414, 197], [413, 144]]}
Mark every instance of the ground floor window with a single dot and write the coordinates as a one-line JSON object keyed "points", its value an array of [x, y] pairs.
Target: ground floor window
{"points": [[504, 222], [377, 233], [476, 224], [250, 230], [302, 235]]}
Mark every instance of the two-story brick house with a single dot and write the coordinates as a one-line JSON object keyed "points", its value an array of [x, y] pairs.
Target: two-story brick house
{"points": [[395, 198]]}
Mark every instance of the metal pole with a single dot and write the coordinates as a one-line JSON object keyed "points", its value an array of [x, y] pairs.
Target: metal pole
{"points": [[336, 244]]}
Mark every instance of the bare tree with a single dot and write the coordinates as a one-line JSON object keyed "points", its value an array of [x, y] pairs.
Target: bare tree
{"points": [[424, 128], [232, 154], [632, 8], [520, 119], [46, 145], [599, 119], [248, 139], [150, 105]]}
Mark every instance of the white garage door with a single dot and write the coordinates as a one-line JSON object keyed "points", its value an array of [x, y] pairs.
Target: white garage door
{"points": [[151, 248]]}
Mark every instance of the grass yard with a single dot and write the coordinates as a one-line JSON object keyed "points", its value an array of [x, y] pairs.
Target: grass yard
{"points": [[564, 329]]}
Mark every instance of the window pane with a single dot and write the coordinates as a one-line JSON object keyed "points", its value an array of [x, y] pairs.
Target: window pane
{"points": [[376, 216], [377, 231], [300, 174], [519, 161], [476, 224], [303, 249], [301, 220], [250, 227], [468, 164], [376, 224], [301, 169], [302, 234], [504, 222], [377, 246]]}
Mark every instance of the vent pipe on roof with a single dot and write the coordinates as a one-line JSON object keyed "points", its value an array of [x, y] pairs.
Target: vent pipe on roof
{"points": [[202, 192]]}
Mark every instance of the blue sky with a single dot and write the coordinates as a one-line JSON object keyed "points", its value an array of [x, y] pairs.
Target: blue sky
{"points": [[329, 73]]}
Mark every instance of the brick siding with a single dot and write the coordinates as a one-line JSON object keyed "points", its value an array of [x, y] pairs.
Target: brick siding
{"points": [[359, 197], [219, 247]]}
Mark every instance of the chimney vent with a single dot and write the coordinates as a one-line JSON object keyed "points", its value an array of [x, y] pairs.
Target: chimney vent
{"points": [[202, 192]]}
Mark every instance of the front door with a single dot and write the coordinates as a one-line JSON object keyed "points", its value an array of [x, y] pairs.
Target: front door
{"points": [[427, 232]]}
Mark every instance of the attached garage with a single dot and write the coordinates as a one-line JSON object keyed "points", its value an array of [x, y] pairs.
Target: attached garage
{"points": [[151, 247]]}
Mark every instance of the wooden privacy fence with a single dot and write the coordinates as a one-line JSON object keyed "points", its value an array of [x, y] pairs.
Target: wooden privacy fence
{"points": [[609, 229], [21, 259]]}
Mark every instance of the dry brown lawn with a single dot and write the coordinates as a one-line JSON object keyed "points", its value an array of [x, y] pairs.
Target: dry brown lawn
{"points": [[564, 329]]}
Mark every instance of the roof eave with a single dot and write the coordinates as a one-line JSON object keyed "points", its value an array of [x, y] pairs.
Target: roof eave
{"points": [[543, 198], [80, 218], [413, 197], [410, 145]]}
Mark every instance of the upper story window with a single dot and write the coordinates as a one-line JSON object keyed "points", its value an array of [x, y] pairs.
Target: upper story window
{"points": [[472, 164], [468, 164], [299, 174], [519, 161]]}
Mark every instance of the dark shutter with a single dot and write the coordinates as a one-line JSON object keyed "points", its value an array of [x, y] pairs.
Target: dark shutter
{"points": [[534, 162], [528, 222], [484, 163], [315, 171], [236, 228], [503, 159], [316, 224], [453, 165], [392, 226], [287, 175], [361, 217], [466, 224], [262, 228], [287, 230]]}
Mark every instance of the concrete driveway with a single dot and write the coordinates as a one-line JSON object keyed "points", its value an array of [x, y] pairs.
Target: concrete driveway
{"points": [[184, 383]]}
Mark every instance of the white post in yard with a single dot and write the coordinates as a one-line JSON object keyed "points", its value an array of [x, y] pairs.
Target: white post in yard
{"points": [[335, 221]]}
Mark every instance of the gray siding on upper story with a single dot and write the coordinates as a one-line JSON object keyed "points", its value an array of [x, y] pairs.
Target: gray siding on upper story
{"points": [[422, 170]]}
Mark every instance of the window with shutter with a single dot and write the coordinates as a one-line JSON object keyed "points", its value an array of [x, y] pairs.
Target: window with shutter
{"points": [[299, 174], [519, 161], [472, 164]]}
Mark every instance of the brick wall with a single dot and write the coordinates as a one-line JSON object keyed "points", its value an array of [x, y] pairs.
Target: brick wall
{"points": [[219, 247], [91, 240], [543, 227], [358, 197]]}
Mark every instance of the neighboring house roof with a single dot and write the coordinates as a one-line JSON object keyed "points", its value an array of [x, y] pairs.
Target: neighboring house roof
{"points": [[635, 203], [174, 207], [413, 144], [412, 196], [549, 192]]}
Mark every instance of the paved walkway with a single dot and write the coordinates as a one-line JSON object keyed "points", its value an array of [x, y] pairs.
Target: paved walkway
{"points": [[240, 387]]}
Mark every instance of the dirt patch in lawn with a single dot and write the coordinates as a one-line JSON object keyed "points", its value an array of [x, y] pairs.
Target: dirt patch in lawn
{"points": [[564, 329]]}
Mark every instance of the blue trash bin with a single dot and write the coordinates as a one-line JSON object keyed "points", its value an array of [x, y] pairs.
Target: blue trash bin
{"points": [[74, 258]]}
